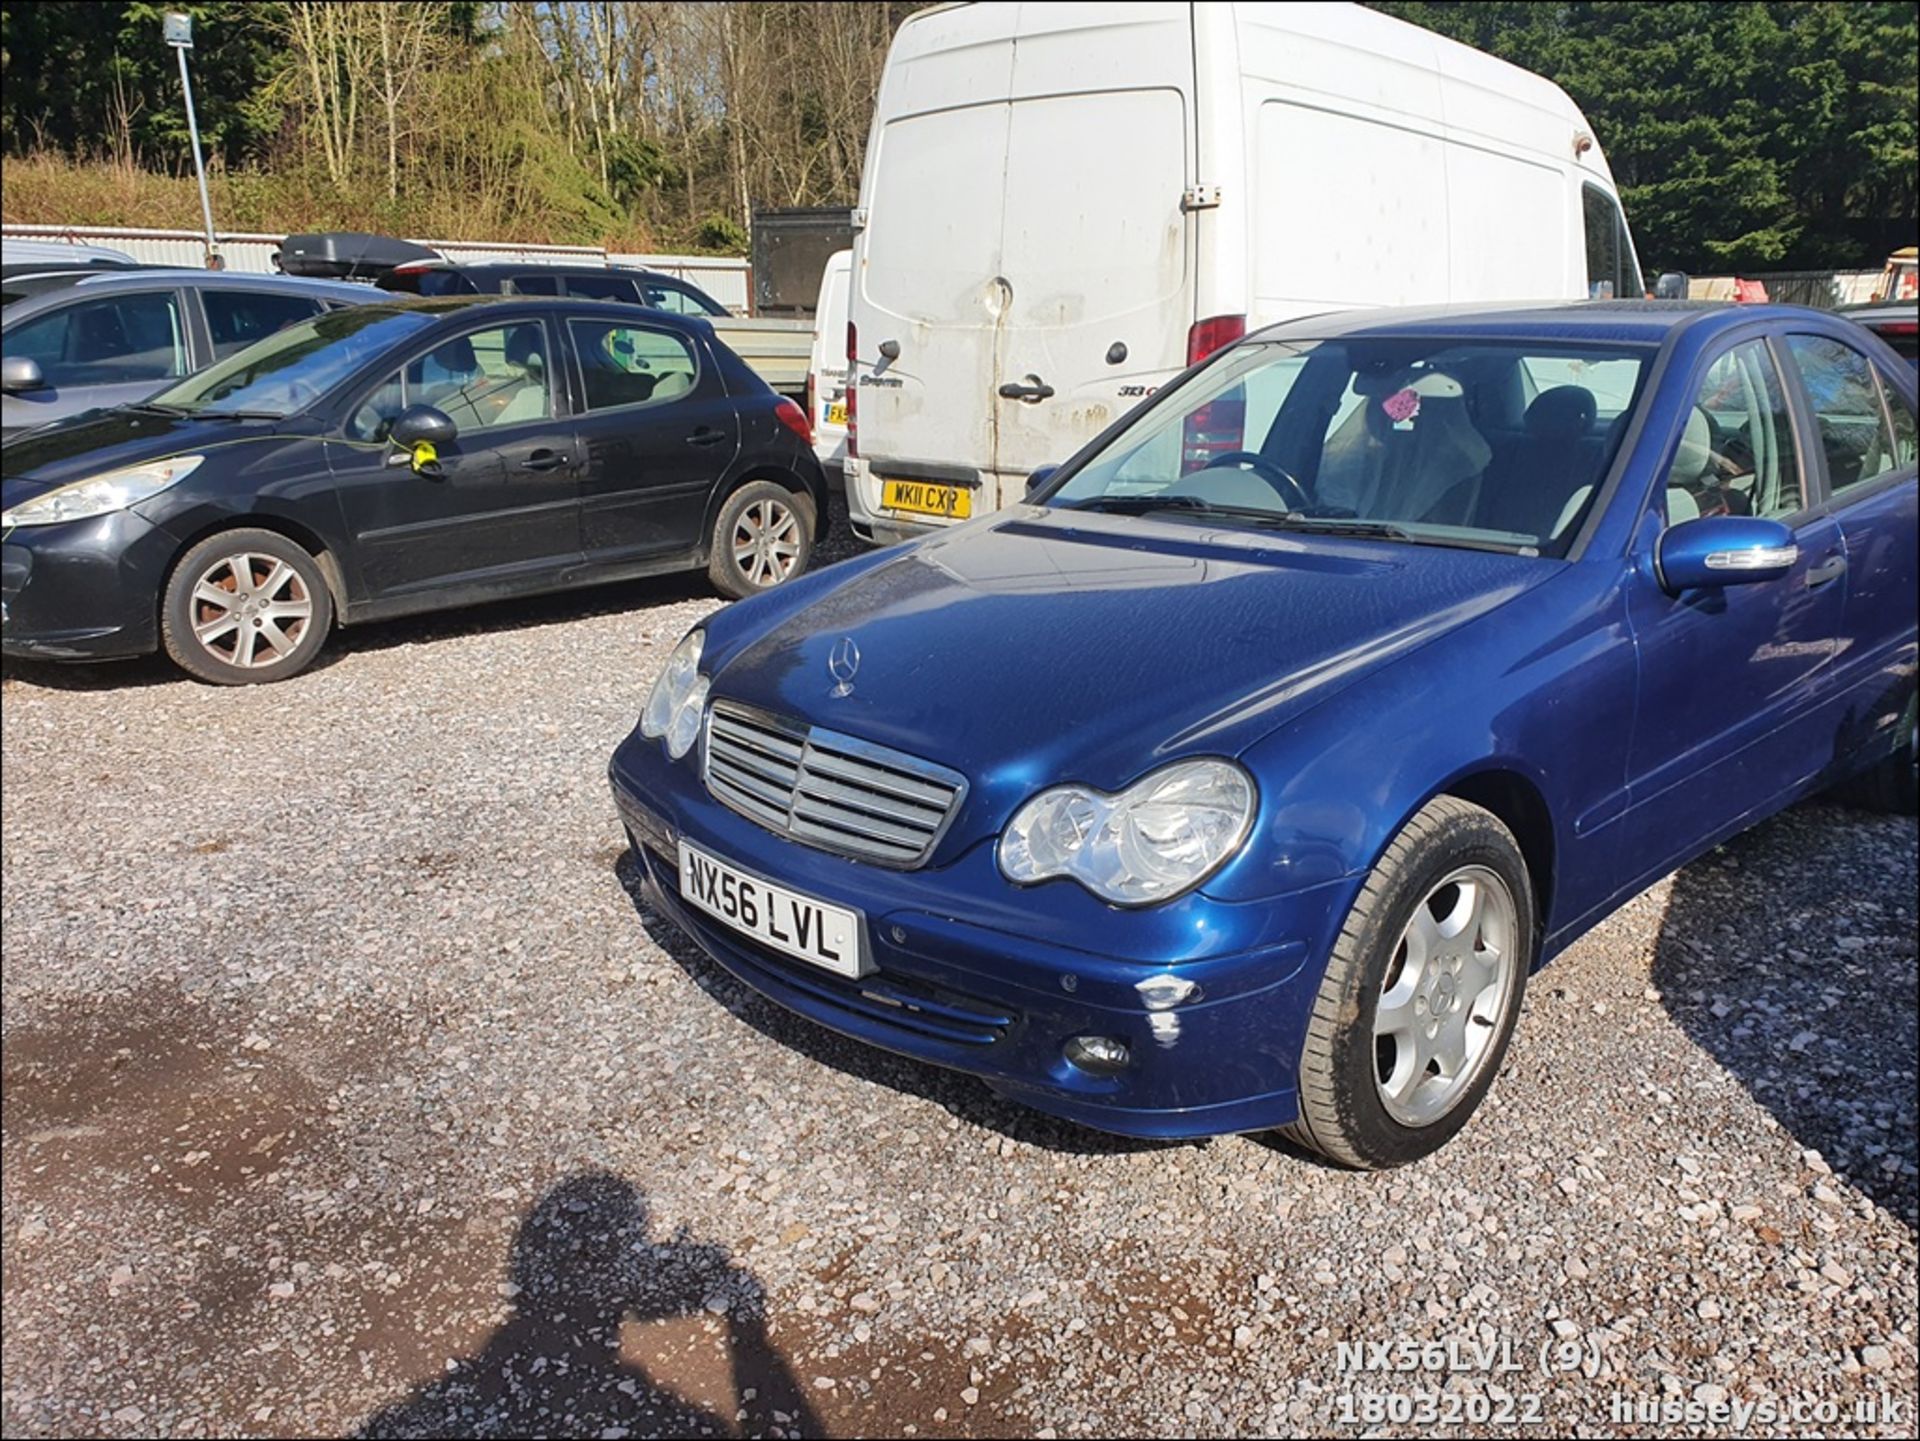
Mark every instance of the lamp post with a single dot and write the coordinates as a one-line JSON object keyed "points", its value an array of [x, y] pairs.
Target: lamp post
{"points": [[178, 29]]}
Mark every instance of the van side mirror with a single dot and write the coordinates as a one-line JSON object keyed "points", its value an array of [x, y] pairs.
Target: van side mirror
{"points": [[20, 373], [1670, 286], [1040, 477], [1722, 550], [422, 431]]}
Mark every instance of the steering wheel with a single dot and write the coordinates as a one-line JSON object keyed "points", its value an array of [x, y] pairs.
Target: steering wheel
{"points": [[1285, 486]]}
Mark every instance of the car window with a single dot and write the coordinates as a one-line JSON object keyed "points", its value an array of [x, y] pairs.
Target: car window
{"points": [[678, 301], [1394, 436], [530, 285], [631, 365], [485, 379], [1737, 455], [109, 341], [237, 318], [1846, 406], [603, 287], [1901, 414]]}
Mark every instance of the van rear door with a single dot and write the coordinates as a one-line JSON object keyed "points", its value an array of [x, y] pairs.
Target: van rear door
{"points": [[1015, 243]]}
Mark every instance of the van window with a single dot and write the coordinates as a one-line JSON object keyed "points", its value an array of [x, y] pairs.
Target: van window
{"points": [[1612, 272]]}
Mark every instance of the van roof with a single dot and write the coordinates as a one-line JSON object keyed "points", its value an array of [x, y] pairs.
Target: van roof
{"points": [[1508, 103]]}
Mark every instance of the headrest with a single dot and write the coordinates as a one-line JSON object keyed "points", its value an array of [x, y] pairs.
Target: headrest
{"points": [[456, 357], [1564, 413], [1696, 450], [523, 347]]}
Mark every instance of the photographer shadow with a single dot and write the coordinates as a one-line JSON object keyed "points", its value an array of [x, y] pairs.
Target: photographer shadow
{"points": [[581, 1353]]}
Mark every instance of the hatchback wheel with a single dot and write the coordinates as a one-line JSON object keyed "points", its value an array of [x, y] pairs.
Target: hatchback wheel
{"points": [[1421, 993], [762, 536], [244, 607]]}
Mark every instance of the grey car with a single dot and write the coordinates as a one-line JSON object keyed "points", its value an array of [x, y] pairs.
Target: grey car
{"points": [[79, 339]]}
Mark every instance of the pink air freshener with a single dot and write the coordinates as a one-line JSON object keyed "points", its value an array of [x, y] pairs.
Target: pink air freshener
{"points": [[1401, 406]]}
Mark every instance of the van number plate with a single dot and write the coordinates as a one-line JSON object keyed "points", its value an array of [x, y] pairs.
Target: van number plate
{"points": [[921, 498]]}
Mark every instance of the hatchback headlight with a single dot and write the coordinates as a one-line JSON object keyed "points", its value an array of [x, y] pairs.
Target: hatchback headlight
{"points": [[1160, 837], [101, 494], [673, 709]]}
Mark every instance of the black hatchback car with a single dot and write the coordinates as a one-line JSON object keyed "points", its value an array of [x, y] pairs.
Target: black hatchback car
{"points": [[403, 456]]}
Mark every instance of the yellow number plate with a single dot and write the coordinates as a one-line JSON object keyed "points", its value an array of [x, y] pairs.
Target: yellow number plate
{"points": [[837, 413], [924, 499]]}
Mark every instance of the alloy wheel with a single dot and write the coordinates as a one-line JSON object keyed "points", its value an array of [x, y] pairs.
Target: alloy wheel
{"points": [[1445, 992], [250, 610], [766, 542]]}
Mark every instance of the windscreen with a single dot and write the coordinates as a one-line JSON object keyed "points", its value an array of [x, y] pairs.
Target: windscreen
{"points": [[1494, 445], [289, 371]]}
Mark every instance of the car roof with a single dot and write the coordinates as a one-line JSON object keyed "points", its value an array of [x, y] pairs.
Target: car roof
{"points": [[145, 277], [1619, 322]]}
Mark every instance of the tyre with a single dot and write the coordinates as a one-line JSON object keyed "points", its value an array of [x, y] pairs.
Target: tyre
{"points": [[244, 607], [762, 536], [1421, 993], [1893, 785]]}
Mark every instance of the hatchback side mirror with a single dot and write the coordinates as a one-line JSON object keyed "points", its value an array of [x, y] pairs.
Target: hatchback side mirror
{"points": [[422, 431], [20, 373], [1040, 477], [1722, 550]]}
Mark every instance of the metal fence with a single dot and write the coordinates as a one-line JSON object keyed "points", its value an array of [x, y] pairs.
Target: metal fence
{"points": [[1821, 289], [726, 279]]}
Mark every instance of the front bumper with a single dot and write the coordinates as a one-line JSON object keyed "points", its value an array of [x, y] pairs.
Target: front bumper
{"points": [[85, 590], [981, 976]]}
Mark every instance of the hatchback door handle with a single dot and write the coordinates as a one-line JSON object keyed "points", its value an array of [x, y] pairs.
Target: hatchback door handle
{"points": [[544, 460], [706, 435], [1830, 569]]}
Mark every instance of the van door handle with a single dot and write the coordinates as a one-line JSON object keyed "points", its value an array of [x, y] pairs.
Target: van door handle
{"points": [[1830, 569], [544, 460], [1035, 389], [706, 435]]}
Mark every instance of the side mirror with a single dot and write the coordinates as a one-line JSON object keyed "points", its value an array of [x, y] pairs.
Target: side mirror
{"points": [[1670, 286], [20, 373], [421, 430], [1040, 477], [1722, 550]]}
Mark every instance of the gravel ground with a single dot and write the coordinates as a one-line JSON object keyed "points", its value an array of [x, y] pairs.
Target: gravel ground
{"points": [[349, 1087]]}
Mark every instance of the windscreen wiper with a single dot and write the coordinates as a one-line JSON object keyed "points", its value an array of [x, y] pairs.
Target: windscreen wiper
{"points": [[1384, 530], [239, 415], [147, 407], [1185, 504]]}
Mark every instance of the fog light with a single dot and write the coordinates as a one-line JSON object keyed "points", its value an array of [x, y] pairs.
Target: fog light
{"points": [[1098, 1055]]}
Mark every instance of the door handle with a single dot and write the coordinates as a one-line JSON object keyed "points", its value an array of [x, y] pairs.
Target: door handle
{"points": [[706, 435], [1036, 389], [1830, 569], [544, 460]]}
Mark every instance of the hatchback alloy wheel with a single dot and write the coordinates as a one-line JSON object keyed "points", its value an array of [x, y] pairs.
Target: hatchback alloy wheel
{"points": [[250, 610], [766, 542]]}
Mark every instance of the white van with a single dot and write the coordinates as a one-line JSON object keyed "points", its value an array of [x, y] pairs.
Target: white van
{"points": [[1064, 205], [827, 370]]}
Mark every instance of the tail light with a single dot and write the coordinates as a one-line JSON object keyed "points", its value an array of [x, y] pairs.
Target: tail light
{"points": [[853, 392], [794, 418], [1215, 333], [1219, 427]]}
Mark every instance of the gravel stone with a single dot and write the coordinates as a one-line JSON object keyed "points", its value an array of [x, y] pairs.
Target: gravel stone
{"points": [[352, 1088]]}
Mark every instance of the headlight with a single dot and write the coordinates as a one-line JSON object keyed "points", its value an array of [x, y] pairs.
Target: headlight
{"points": [[673, 708], [101, 494], [1161, 836]]}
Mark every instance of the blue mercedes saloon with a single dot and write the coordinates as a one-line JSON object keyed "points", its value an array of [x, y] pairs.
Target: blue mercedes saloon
{"points": [[1239, 778]]}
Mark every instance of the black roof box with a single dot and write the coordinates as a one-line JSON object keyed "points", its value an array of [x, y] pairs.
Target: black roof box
{"points": [[347, 255]]}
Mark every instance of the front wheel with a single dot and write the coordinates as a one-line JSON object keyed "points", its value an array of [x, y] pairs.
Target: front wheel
{"points": [[1421, 992], [762, 536], [244, 607]]}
